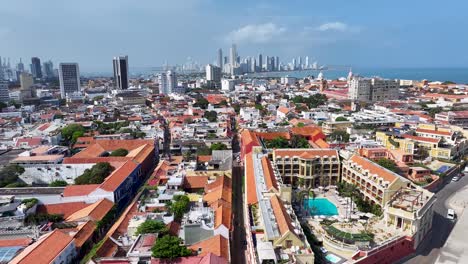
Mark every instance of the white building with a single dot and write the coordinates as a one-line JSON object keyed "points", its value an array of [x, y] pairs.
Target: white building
{"points": [[249, 114], [69, 76], [288, 80], [227, 85], [213, 74], [373, 89]]}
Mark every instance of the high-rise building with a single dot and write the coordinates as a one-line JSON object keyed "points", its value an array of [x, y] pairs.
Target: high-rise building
{"points": [[233, 56], [373, 89], [69, 77], [4, 92], [213, 75], [36, 67], [253, 65], [48, 67], [299, 63], [162, 81], [167, 82], [260, 62], [120, 72], [277, 64], [20, 66], [2, 72], [171, 81], [307, 62], [220, 58], [26, 80], [294, 63]]}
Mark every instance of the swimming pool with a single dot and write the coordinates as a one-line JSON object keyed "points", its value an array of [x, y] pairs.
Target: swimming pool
{"points": [[320, 206], [332, 258]]}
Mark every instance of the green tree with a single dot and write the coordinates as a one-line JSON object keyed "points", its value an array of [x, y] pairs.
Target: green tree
{"points": [[278, 142], [3, 105], [169, 247], [120, 152], [203, 150], [300, 124], [96, 175], [212, 116], [223, 103], [151, 227], [71, 132], [339, 135], [218, 146], [202, 103], [58, 183], [388, 164], [312, 101], [10, 174], [180, 206], [299, 142], [340, 119]]}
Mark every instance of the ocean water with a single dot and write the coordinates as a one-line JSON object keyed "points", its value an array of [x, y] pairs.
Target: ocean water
{"points": [[458, 75]]}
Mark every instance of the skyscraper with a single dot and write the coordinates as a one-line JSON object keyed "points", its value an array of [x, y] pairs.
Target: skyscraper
{"points": [[20, 66], [260, 62], [220, 58], [4, 92], [253, 65], [213, 75], [307, 62], [277, 64], [36, 67], [171, 81], [120, 72], [69, 77], [48, 69], [162, 81], [233, 56]]}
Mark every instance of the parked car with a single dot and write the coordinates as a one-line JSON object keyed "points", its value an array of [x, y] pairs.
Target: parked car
{"points": [[455, 179], [324, 250], [450, 214]]}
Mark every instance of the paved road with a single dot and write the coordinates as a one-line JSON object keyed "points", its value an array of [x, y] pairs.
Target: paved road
{"points": [[428, 252]]}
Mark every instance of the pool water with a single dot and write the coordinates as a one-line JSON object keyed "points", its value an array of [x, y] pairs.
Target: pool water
{"points": [[332, 258], [320, 206]]}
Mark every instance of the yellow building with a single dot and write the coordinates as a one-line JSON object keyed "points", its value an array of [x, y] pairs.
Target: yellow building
{"points": [[316, 167], [374, 182]]}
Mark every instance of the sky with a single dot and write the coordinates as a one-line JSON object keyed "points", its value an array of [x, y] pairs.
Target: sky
{"points": [[362, 33]]}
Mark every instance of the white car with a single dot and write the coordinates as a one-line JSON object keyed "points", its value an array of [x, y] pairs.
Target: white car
{"points": [[455, 179], [450, 214], [324, 250]]}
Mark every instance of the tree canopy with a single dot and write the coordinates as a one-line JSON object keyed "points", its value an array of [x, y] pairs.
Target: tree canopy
{"points": [[10, 174], [96, 175], [312, 101], [218, 146], [296, 141], [278, 142], [151, 226], [120, 152], [169, 247], [339, 135], [202, 103], [58, 183], [180, 206], [388, 164], [212, 116], [340, 119], [72, 132]]}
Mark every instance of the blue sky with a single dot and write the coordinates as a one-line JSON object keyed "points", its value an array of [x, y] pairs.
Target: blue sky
{"points": [[366, 33]]}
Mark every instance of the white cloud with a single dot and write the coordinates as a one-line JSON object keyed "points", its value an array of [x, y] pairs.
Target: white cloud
{"points": [[255, 33], [335, 26]]}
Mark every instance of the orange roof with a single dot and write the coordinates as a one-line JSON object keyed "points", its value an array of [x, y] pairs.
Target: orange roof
{"points": [[283, 110], [85, 232], [204, 158], [65, 209], [45, 250], [305, 153], [195, 182], [219, 195], [423, 139], [113, 181], [269, 174], [99, 146], [17, 242], [95, 211], [251, 188], [217, 245], [223, 216], [322, 143], [222, 181], [306, 130], [435, 132], [79, 190], [374, 168], [273, 135], [282, 217]]}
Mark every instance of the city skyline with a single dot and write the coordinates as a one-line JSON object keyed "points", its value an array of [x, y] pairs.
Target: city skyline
{"points": [[337, 33]]}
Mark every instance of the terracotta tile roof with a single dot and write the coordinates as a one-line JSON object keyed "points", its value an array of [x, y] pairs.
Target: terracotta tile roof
{"points": [[322, 143], [45, 250], [84, 233], [269, 175], [374, 168], [222, 194], [283, 110], [195, 182], [65, 209], [251, 187], [282, 217], [209, 258], [422, 139], [79, 190], [95, 211], [113, 181], [99, 146], [306, 131], [173, 228], [217, 245], [220, 182], [305, 153], [204, 158], [223, 216], [36, 141], [434, 132], [248, 137], [273, 135], [17, 242]]}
